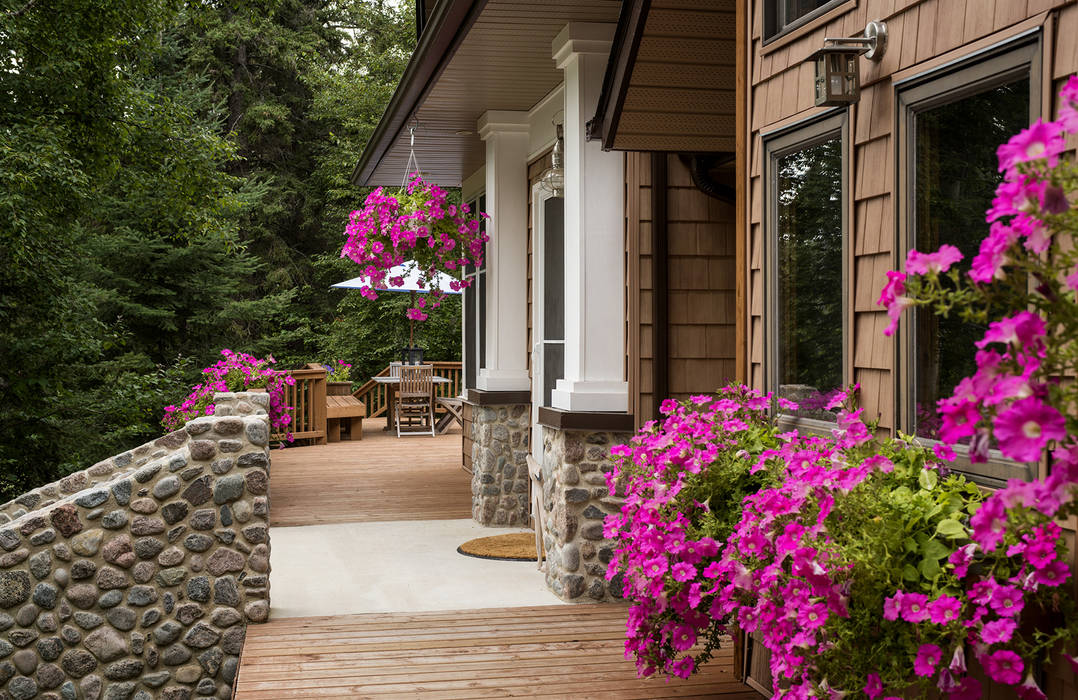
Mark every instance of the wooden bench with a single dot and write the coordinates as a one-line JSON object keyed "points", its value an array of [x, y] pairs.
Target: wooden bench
{"points": [[340, 409]]}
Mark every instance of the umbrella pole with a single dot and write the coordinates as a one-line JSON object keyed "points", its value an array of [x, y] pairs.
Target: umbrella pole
{"points": [[411, 325]]}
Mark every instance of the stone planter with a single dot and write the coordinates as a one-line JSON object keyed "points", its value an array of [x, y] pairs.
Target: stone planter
{"points": [[338, 388]]}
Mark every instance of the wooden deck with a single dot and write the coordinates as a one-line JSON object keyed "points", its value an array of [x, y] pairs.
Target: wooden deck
{"points": [[566, 651], [380, 478]]}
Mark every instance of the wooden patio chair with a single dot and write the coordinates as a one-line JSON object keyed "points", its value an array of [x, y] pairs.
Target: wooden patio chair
{"points": [[535, 471], [414, 399], [394, 369]]}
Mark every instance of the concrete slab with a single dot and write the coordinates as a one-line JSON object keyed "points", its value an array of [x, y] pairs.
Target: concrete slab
{"points": [[400, 566]]}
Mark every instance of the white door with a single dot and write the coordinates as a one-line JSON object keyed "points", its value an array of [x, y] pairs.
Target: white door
{"points": [[548, 305]]}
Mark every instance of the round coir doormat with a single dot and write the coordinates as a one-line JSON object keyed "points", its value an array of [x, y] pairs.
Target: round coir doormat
{"points": [[517, 546]]}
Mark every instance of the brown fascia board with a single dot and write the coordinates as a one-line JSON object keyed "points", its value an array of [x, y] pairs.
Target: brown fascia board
{"points": [[445, 30], [619, 69]]}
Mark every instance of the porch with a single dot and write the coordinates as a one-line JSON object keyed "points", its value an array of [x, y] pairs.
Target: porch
{"points": [[370, 598]]}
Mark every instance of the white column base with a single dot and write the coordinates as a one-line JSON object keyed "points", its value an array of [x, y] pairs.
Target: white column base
{"points": [[578, 395], [503, 380]]}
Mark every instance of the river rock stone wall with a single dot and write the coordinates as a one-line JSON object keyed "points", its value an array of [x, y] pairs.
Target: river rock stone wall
{"points": [[576, 500], [141, 586], [500, 439]]}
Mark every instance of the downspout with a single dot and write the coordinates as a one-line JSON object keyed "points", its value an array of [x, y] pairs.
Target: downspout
{"points": [[700, 166], [660, 331]]}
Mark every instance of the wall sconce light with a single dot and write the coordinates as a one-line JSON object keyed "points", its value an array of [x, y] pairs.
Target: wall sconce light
{"points": [[553, 178], [836, 77]]}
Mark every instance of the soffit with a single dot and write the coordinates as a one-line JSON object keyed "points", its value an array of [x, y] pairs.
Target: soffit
{"points": [[503, 63]]}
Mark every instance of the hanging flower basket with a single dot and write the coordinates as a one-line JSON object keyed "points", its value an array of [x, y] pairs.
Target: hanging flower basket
{"points": [[418, 224]]}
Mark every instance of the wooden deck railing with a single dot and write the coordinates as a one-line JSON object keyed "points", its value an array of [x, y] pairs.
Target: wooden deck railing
{"points": [[374, 395], [308, 400]]}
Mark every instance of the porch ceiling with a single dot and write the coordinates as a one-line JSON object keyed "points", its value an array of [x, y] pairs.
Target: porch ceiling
{"points": [[502, 63]]}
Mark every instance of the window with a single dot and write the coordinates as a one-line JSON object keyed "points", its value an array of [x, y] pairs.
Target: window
{"points": [[552, 323], [952, 124], [806, 224], [782, 16], [475, 311]]}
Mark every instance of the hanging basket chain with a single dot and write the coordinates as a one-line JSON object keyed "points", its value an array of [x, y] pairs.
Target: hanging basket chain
{"points": [[412, 160]]}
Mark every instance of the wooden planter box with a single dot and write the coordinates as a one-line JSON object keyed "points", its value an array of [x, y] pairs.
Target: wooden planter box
{"points": [[338, 388]]}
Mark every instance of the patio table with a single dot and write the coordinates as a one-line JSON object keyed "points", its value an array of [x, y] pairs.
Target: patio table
{"points": [[391, 393]]}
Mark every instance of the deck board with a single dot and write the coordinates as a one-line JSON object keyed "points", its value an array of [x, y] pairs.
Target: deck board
{"points": [[381, 478], [566, 651]]}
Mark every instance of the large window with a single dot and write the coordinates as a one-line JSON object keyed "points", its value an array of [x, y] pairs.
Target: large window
{"points": [[952, 125], [781, 16], [806, 243], [475, 311]]}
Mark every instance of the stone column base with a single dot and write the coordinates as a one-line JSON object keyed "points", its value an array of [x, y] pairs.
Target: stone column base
{"points": [[500, 443], [576, 499]]}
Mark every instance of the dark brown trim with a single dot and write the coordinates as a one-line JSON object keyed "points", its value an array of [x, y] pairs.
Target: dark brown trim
{"points": [[660, 329], [742, 140], [481, 397], [619, 69], [442, 35], [586, 420]]}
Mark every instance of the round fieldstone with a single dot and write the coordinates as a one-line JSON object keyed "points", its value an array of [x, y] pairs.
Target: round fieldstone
{"points": [[122, 618], [13, 558], [27, 614], [70, 635], [119, 551], [148, 472], [46, 536], [148, 547], [189, 674], [91, 687], [189, 612], [110, 599], [68, 691], [198, 491], [226, 516], [124, 670], [176, 532], [106, 644], [41, 564], [166, 488], [228, 489], [66, 520], [171, 556], [93, 499], [62, 577], [26, 661], [257, 481], [229, 668], [46, 622], [119, 691], [14, 588], [5, 648], [253, 459], [257, 432], [78, 663], [175, 655], [62, 551], [7, 672], [167, 632], [156, 680], [226, 536], [224, 591], [196, 564], [143, 525], [256, 534], [223, 465], [174, 512], [210, 661], [49, 676], [206, 686], [203, 519], [201, 636], [198, 589], [257, 611], [23, 638], [109, 578], [45, 595], [225, 617], [88, 620], [197, 542], [144, 505], [241, 511], [177, 462], [121, 491], [142, 596], [83, 569], [9, 540], [228, 426], [232, 640], [171, 577], [229, 446], [225, 560], [114, 520], [87, 544], [22, 688], [202, 450], [6, 621], [50, 648], [150, 618], [143, 571]]}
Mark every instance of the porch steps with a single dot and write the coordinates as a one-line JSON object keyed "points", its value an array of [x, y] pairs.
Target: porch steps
{"points": [[566, 651]]}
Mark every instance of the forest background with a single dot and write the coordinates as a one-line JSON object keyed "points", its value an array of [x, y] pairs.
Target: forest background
{"points": [[174, 180]]}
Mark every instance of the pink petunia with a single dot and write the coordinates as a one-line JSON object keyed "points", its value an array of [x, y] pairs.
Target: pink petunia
{"points": [[988, 524], [961, 558], [682, 668], [682, 637], [928, 657], [892, 607], [1068, 111], [1026, 427], [969, 688], [1055, 574], [998, 631], [1007, 600], [944, 609], [1029, 690], [682, 571], [873, 686], [1020, 330], [813, 616], [893, 297], [932, 263], [1003, 666], [994, 254], [914, 607], [1041, 141], [959, 419], [943, 452], [1072, 279]]}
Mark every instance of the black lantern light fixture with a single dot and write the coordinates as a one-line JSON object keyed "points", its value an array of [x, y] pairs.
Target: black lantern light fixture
{"points": [[836, 74]]}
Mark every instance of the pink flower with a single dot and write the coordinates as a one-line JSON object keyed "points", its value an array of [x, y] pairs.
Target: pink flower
{"points": [[914, 607], [1029, 690], [1007, 600], [944, 609], [1021, 330], [683, 572], [959, 419], [961, 559], [892, 607], [682, 668], [1026, 426], [968, 689], [998, 631], [1068, 111], [682, 637], [1055, 574], [1072, 279], [1042, 140], [988, 523], [943, 452], [958, 661], [893, 297], [932, 263], [989, 262], [928, 656], [813, 616], [1003, 666], [873, 686]]}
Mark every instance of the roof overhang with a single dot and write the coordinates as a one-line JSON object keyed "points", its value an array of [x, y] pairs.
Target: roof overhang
{"points": [[475, 56], [670, 81]]}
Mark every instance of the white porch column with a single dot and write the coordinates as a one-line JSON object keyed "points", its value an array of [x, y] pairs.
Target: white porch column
{"points": [[506, 136], [594, 235]]}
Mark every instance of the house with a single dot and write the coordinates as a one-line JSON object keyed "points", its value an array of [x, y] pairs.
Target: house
{"points": [[713, 224]]}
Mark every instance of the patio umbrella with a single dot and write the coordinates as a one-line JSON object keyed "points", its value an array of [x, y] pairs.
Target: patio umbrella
{"points": [[409, 270]]}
